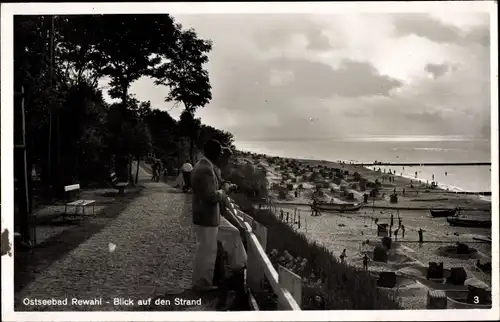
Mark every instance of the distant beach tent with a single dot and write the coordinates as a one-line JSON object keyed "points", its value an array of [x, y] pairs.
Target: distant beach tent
{"points": [[382, 230]]}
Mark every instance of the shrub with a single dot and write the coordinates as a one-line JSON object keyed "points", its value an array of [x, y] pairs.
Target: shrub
{"points": [[249, 179]]}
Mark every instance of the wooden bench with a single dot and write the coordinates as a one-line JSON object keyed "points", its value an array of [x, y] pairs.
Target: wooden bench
{"points": [[74, 200], [118, 185]]}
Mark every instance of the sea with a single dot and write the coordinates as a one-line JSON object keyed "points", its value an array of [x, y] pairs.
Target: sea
{"points": [[414, 149]]}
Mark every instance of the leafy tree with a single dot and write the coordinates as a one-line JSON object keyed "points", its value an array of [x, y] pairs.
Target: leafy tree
{"points": [[141, 140], [114, 46], [183, 72], [63, 101], [165, 137], [189, 127], [208, 132]]}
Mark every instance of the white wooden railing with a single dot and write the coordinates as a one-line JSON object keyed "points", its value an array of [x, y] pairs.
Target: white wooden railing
{"points": [[285, 284]]}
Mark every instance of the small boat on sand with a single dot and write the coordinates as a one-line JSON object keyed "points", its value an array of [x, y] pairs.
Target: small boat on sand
{"points": [[482, 239], [342, 207], [443, 213], [468, 222]]}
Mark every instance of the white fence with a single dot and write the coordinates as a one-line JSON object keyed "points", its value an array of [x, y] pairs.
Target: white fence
{"points": [[286, 285]]}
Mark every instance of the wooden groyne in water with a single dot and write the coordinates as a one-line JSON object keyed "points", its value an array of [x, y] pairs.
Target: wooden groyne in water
{"points": [[413, 164]]}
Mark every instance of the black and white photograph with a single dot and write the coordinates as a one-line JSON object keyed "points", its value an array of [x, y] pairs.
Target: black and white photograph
{"points": [[191, 161]]}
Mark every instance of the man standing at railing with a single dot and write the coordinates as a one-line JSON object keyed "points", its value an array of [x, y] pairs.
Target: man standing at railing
{"points": [[206, 215], [228, 234]]}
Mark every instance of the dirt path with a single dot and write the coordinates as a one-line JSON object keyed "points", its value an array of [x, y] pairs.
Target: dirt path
{"points": [[152, 251]]}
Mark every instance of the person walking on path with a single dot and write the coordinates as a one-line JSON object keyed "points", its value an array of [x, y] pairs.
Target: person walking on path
{"points": [[420, 235], [206, 215], [403, 231], [186, 175], [365, 262], [396, 234], [343, 256], [155, 170], [159, 166], [392, 220]]}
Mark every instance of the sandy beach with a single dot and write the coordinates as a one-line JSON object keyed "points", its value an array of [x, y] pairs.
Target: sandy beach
{"points": [[407, 257]]}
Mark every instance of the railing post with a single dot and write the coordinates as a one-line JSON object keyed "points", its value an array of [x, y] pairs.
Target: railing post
{"points": [[259, 267], [292, 282], [255, 275]]}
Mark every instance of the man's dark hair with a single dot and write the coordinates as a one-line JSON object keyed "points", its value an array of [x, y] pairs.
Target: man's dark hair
{"points": [[212, 148]]}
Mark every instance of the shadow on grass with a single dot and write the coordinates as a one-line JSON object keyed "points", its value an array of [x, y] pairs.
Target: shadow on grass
{"points": [[58, 220], [108, 194], [28, 263]]}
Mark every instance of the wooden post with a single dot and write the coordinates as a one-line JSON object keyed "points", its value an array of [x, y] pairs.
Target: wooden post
{"points": [[24, 209], [292, 282], [24, 154], [51, 71], [255, 273]]}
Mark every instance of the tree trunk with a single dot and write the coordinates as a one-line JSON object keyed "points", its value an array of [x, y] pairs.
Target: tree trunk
{"points": [[122, 148], [130, 176], [21, 196], [137, 171], [191, 150]]}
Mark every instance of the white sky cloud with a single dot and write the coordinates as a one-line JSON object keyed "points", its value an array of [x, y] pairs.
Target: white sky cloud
{"points": [[359, 74]]}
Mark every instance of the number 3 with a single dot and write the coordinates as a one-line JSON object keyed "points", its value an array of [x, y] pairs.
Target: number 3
{"points": [[476, 299]]}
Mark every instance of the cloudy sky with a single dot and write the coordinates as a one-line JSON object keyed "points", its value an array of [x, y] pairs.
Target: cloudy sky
{"points": [[311, 76]]}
